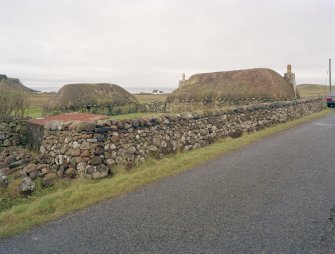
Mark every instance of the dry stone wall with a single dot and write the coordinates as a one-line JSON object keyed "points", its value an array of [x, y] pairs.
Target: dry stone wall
{"points": [[94, 149], [207, 104], [12, 133], [154, 106]]}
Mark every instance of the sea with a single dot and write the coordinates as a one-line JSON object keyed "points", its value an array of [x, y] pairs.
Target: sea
{"points": [[52, 87]]}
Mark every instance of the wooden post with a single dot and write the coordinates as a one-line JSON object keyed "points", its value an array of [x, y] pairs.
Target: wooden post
{"points": [[330, 75]]}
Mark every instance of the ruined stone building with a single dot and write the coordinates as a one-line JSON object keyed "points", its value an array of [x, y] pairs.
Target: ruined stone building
{"points": [[182, 82]]}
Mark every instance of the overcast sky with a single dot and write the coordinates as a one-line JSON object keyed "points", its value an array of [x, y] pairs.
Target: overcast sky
{"points": [[149, 43]]}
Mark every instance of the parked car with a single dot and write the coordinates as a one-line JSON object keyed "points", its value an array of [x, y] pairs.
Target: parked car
{"points": [[330, 99]]}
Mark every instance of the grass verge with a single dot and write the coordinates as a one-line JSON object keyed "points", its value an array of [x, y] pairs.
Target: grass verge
{"points": [[67, 197]]}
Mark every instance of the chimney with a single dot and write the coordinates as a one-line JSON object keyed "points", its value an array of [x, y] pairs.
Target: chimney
{"points": [[289, 69]]}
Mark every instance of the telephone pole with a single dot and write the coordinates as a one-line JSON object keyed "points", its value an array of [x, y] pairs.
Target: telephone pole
{"points": [[330, 75]]}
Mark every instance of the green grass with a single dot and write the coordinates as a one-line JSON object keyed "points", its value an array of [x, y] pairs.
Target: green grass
{"points": [[34, 112], [80, 193]]}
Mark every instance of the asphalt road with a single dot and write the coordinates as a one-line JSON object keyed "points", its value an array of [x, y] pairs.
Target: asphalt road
{"points": [[273, 196]]}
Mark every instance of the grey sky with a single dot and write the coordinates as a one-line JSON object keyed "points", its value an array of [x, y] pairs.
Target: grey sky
{"points": [[150, 43]]}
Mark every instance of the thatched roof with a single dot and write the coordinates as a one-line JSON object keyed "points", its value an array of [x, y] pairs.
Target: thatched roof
{"points": [[102, 94], [257, 83]]}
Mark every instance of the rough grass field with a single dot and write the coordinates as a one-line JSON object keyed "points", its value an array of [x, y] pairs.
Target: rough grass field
{"points": [[39, 99], [36, 103], [66, 196], [143, 98], [312, 90]]}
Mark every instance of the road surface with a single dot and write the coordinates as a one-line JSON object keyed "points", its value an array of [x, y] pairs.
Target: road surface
{"points": [[274, 196]]}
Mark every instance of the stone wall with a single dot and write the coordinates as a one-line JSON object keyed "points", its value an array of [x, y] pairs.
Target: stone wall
{"points": [[154, 106], [210, 104], [94, 149], [34, 135], [12, 133]]}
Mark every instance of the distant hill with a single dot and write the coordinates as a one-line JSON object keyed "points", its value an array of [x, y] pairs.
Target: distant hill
{"points": [[101, 94], [311, 86], [12, 83], [310, 90], [251, 83]]}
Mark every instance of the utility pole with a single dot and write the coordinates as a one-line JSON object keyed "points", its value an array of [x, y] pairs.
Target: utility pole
{"points": [[330, 75]]}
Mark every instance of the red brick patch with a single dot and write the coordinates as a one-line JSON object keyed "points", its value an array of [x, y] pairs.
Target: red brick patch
{"points": [[85, 117]]}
